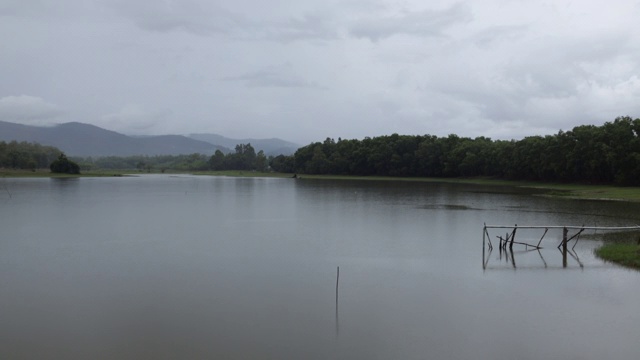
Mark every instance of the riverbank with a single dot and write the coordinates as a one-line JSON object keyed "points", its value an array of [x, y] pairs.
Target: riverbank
{"points": [[571, 191], [46, 173]]}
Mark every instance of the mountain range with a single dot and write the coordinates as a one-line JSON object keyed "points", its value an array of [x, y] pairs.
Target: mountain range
{"points": [[80, 139]]}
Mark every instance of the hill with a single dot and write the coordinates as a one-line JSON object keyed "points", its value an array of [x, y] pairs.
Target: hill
{"points": [[272, 146], [79, 139]]}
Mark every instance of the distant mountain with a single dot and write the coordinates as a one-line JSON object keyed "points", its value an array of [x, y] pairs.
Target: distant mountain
{"points": [[78, 139], [269, 146]]}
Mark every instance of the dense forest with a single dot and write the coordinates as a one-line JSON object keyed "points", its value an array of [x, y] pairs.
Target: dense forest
{"points": [[592, 154], [24, 155]]}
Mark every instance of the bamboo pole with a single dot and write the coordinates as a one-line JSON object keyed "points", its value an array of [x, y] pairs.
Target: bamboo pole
{"points": [[541, 257], [513, 235], [577, 236], [564, 247], [525, 244], [635, 227], [491, 244], [485, 260], [513, 258], [545, 233], [484, 236], [337, 282], [337, 318]]}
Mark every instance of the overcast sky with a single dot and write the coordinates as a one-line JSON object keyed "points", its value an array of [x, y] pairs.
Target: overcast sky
{"points": [[307, 70]]}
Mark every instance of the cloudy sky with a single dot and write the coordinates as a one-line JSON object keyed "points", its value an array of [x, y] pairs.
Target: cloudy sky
{"points": [[307, 70]]}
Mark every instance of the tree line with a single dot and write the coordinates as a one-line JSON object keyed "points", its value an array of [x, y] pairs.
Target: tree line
{"points": [[607, 154], [25, 155], [244, 158], [32, 156], [591, 154]]}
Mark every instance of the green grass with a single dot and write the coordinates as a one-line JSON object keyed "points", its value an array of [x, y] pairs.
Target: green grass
{"points": [[625, 254], [621, 247]]}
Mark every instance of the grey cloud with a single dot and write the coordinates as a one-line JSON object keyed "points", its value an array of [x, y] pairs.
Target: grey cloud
{"points": [[47, 9], [10, 8], [135, 118], [557, 68], [207, 18], [544, 80], [274, 76], [309, 27], [423, 23], [495, 34], [28, 109], [20, 7], [494, 67], [200, 18]]}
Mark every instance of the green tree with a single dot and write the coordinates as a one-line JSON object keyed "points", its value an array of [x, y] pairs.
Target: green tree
{"points": [[216, 161], [319, 163], [243, 159], [261, 162], [282, 163], [64, 166]]}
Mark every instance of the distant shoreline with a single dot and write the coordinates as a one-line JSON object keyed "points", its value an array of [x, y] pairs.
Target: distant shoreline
{"points": [[46, 173], [569, 191]]}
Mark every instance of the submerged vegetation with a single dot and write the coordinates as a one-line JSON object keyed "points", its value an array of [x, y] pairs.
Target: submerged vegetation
{"points": [[624, 254], [621, 248]]}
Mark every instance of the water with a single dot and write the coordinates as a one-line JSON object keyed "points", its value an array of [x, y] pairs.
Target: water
{"points": [[165, 267]]}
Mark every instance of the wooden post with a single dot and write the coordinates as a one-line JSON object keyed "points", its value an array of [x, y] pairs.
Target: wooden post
{"points": [[564, 247], [545, 233], [484, 236], [513, 236], [337, 282], [486, 232], [513, 258], [337, 319], [483, 257]]}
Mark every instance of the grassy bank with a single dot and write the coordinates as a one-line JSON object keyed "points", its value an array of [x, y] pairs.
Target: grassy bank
{"points": [[622, 248], [42, 173], [625, 254]]}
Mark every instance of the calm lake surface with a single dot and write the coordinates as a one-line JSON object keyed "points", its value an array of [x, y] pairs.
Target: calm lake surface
{"points": [[197, 267]]}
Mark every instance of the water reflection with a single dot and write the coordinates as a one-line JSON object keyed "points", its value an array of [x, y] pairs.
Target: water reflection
{"points": [[213, 267], [527, 260], [507, 254], [575, 256]]}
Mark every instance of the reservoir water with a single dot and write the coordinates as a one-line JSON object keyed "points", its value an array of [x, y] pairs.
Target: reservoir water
{"points": [[198, 267]]}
